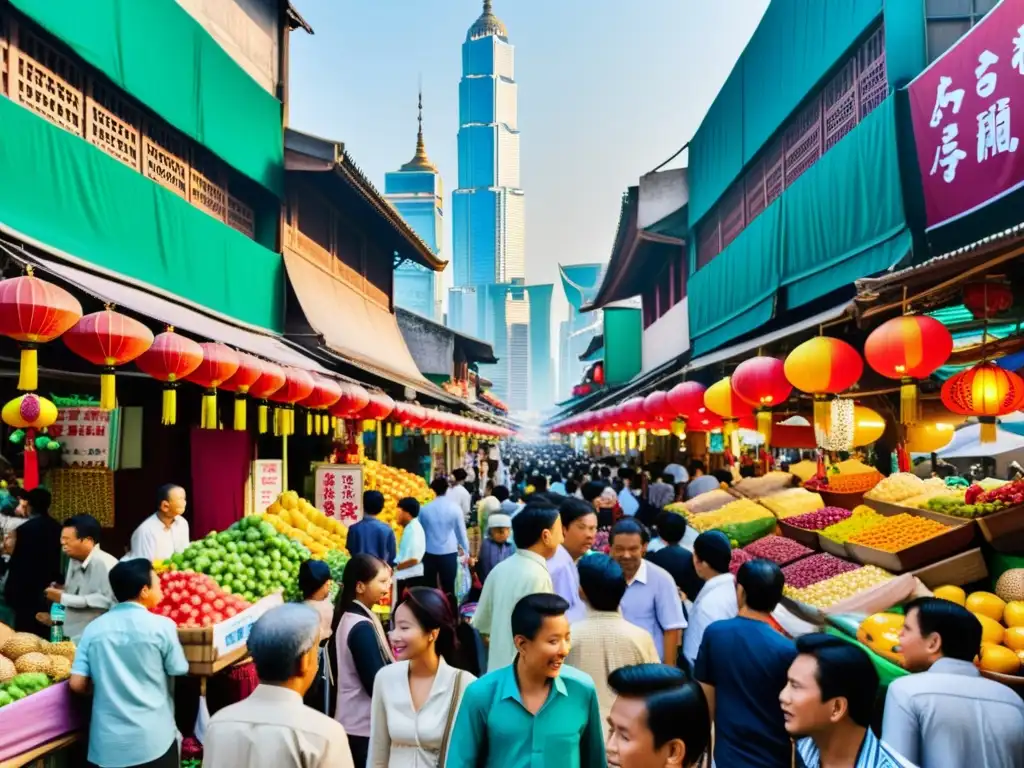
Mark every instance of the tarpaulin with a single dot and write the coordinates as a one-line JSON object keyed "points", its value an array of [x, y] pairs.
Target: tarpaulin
{"points": [[155, 51], [70, 196]]}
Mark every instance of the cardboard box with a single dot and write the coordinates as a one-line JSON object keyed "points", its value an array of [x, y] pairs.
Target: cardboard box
{"points": [[923, 553]]}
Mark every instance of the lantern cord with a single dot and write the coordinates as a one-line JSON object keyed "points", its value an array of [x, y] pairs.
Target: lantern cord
{"points": [[240, 414]]}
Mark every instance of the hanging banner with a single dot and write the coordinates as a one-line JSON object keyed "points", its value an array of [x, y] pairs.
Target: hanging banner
{"points": [[86, 434], [962, 109], [267, 483], [338, 491]]}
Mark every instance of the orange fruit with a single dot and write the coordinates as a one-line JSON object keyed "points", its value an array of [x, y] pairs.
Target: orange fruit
{"points": [[1013, 614], [987, 604], [991, 630], [996, 658], [1013, 638]]}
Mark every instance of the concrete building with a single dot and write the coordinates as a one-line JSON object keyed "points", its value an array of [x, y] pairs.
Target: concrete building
{"points": [[416, 192]]}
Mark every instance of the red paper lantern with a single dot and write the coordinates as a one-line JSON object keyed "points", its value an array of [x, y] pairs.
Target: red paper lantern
{"points": [[353, 399], [987, 299], [170, 359], [632, 412], [326, 392], [761, 382], [985, 391], [378, 408], [108, 339], [908, 348], [598, 374], [687, 398], [248, 373], [32, 312], [656, 406], [298, 385], [271, 380], [219, 364]]}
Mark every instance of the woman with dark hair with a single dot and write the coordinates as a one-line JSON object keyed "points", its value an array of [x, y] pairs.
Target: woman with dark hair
{"points": [[416, 699], [361, 648]]}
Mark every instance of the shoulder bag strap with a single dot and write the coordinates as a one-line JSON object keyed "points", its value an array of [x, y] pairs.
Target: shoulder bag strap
{"points": [[450, 721]]}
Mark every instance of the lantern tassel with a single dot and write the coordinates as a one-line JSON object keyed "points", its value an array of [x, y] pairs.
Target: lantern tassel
{"points": [[261, 418], [169, 415], [730, 426], [30, 479], [398, 430], [108, 395], [821, 413], [764, 426], [309, 422], [240, 414], [989, 433], [208, 418], [908, 402], [28, 375]]}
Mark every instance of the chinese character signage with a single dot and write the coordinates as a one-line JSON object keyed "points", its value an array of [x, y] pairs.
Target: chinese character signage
{"points": [[339, 491], [267, 482], [86, 434], [967, 110]]}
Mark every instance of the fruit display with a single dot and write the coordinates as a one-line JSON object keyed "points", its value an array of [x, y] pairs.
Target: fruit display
{"points": [[861, 518], [899, 532], [881, 633], [804, 470], [193, 600], [23, 685], [778, 549], [792, 502], [742, 520], [250, 559], [297, 519], [336, 561], [956, 505], [1002, 627], [396, 484], [705, 502], [1010, 494], [828, 592], [819, 519], [28, 664], [1010, 585], [757, 487], [839, 482], [811, 570], [897, 487], [736, 559]]}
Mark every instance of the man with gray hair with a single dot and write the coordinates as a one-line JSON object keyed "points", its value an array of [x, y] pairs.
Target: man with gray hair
{"points": [[273, 728]]}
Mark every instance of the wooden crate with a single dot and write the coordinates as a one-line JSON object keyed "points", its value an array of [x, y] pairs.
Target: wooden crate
{"points": [[958, 570], [805, 537], [825, 544], [924, 553], [1004, 530]]}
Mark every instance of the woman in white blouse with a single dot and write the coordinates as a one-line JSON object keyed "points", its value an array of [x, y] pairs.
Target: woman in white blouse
{"points": [[416, 699]]}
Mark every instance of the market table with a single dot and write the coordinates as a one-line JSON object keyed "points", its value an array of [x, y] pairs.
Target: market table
{"points": [[33, 757]]}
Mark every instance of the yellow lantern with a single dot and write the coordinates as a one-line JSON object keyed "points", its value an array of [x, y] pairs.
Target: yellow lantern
{"points": [[868, 426], [929, 437]]}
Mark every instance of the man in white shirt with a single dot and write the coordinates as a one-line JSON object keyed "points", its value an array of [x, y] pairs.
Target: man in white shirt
{"points": [[411, 549], [165, 532], [628, 501], [717, 598], [86, 593], [459, 494]]}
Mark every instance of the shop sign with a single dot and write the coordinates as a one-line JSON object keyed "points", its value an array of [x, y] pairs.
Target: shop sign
{"points": [[267, 482], [967, 111], [339, 491], [85, 434], [232, 634]]}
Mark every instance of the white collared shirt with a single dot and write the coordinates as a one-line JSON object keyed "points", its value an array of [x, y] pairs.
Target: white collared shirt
{"points": [[652, 603], [87, 591], [155, 541], [716, 601]]}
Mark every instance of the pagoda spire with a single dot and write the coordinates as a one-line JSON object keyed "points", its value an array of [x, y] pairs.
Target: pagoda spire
{"points": [[420, 161]]}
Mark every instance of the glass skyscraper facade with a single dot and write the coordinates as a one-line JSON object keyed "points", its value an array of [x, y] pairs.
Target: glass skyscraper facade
{"points": [[416, 193]]}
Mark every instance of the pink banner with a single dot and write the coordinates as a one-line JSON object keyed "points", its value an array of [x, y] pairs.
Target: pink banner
{"points": [[967, 110], [38, 719]]}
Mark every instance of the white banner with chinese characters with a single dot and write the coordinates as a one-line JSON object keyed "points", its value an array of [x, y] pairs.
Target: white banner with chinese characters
{"points": [[339, 491], [86, 434], [267, 483]]}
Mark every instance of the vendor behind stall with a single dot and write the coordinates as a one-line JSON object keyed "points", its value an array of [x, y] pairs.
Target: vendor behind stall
{"points": [[86, 592], [165, 532]]}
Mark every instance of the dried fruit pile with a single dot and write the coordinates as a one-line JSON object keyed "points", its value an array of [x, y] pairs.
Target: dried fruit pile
{"points": [[844, 483], [898, 487], [819, 519], [778, 549], [743, 521], [738, 558], [811, 570], [862, 518], [899, 532], [825, 594], [792, 502]]}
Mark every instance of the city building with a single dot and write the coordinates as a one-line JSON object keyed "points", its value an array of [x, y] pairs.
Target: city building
{"points": [[415, 190], [488, 207], [580, 283]]}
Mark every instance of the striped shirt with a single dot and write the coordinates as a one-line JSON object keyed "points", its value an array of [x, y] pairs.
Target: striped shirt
{"points": [[873, 754]]}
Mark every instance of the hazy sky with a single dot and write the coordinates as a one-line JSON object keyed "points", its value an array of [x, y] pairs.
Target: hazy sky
{"points": [[608, 89]]}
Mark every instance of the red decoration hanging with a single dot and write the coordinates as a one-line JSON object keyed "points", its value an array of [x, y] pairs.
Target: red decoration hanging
{"points": [[108, 339], [170, 359], [353, 399], [248, 373], [326, 392], [656, 406], [987, 299], [908, 348], [985, 391], [219, 364], [761, 382], [632, 413], [687, 398], [823, 366], [271, 380], [32, 312], [598, 374], [378, 408], [298, 384]]}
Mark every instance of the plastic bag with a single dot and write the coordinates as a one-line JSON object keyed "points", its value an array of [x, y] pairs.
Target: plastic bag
{"points": [[463, 580]]}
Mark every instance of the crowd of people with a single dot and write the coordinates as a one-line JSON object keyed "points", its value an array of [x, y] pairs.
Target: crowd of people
{"points": [[639, 652]]}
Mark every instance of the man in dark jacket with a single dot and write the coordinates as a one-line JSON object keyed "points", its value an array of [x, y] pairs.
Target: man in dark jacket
{"points": [[35, 564]]}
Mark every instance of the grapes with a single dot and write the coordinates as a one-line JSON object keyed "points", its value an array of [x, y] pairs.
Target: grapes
{"points": [[815, 568], [778, 549], [819, 519]]}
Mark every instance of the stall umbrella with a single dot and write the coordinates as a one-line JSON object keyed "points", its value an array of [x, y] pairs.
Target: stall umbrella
{"points": [[108, 339], [248, 373], [170, 359], [31, 413], [219, 364], [270, 381]]}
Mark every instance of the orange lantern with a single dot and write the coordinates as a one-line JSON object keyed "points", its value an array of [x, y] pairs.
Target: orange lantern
{"points": [[219, 364], [298, 385], [32, 312], [270, 380], [823, 366], [986, 391], [108, 339], [721, 400], [761, 382], [326, 392], [248, 373], [170, 359], [908, 348]]}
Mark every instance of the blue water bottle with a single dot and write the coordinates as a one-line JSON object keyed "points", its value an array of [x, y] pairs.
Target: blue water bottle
{"points": [[56, 623]]}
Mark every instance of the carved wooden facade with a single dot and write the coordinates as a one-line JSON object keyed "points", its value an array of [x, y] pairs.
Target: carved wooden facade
{"points": [[38, 73], [857, 88]]}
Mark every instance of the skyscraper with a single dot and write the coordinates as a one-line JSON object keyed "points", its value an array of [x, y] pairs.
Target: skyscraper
{"points": [[415, 191], [488, 207]]}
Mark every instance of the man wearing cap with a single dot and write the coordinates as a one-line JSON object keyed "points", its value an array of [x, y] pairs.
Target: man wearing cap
{"points": [[717, 598], [497, 546]]}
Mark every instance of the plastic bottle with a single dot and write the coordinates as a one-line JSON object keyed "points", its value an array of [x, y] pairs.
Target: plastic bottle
{"points": [[56, 623]]}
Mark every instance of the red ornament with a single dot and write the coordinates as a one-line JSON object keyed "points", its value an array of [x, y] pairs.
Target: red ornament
{"points": [[687, 398], [108, 339], [632, 412], [298, 385], [656, 406], [985, 391], [987, 299], [353, 399], [908, 348], [248, 373], [219, 364], [170, 359], [326, 392], [598, 374], [761, 382], [271, 379], [378, 409], [33, 311]]}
